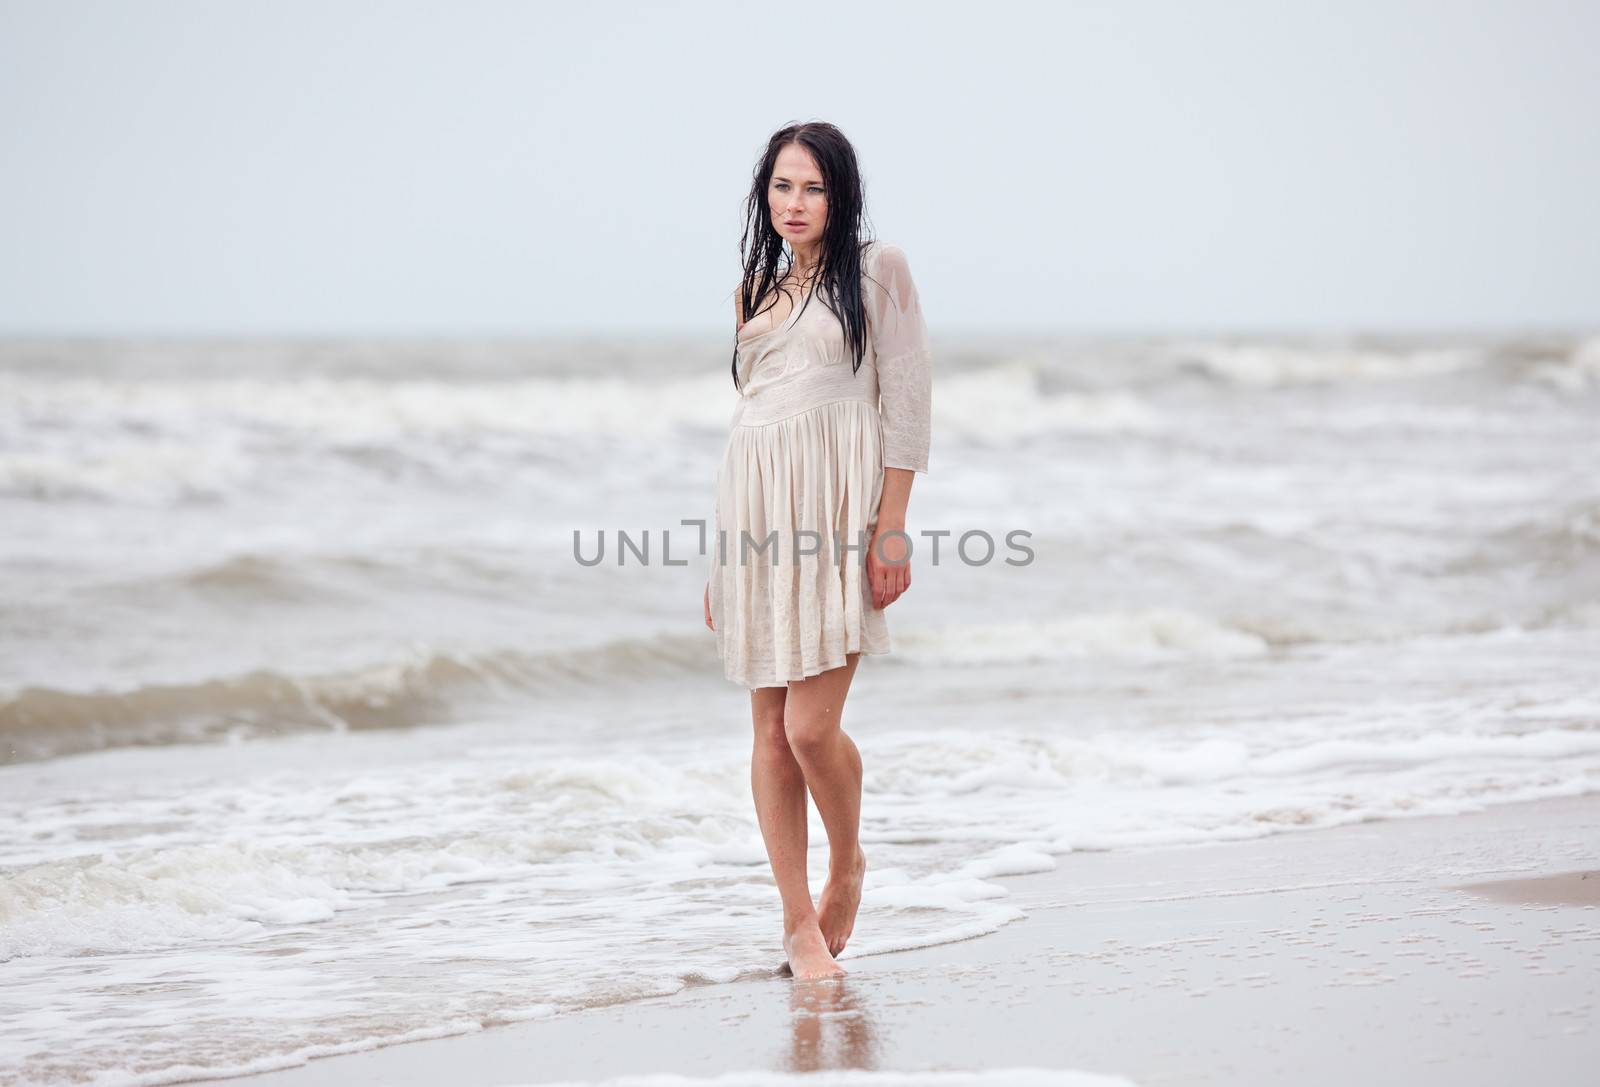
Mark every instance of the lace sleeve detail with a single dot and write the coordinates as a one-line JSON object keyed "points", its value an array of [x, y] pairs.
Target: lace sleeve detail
{"points": [[904, 359]]}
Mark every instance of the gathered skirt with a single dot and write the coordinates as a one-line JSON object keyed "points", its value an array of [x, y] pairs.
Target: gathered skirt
{"points": [[797, 504]]}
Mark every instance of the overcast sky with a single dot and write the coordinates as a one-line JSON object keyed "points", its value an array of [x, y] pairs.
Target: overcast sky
{"points": [[479, 168]]}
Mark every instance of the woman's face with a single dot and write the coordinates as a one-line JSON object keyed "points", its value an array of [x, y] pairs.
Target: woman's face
{"points": [[796, 199]]}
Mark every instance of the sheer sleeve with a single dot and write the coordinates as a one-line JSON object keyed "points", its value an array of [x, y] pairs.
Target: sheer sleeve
{"points": [[904, 359]]}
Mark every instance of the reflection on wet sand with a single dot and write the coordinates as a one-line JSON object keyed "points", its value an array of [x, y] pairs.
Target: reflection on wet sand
{"points": [[830, 1027]]}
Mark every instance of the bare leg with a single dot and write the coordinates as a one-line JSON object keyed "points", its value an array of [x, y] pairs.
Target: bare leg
{"points": [[779, 788], [832, 766]]}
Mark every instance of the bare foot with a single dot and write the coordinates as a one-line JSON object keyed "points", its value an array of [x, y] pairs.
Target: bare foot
{"points": [[841, 897], [808, 953]]}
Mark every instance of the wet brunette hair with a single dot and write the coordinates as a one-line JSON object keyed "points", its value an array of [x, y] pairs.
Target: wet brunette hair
{"points": [[838, 275]]}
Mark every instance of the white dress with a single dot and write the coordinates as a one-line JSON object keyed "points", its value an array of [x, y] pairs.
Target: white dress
{"points": [[802, 475]]}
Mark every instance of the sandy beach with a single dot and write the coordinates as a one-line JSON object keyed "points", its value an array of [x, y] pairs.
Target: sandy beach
{"points": [[1437, 949]]}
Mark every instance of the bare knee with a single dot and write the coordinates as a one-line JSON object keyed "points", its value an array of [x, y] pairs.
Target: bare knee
{"points": [[769, 726], [808, 733]]}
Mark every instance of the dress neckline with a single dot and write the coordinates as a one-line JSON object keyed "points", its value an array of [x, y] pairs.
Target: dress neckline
{"points": [[866, 251], [794, 312]]}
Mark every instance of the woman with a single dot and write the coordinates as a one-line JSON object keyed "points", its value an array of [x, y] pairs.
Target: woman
{"points": [[831, 425]]}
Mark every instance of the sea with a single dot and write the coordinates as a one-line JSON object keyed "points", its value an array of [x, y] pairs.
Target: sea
{"points": [[359, 691]]}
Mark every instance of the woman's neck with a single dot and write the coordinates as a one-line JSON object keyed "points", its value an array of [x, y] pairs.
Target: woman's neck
{"points": [[803, 262]]}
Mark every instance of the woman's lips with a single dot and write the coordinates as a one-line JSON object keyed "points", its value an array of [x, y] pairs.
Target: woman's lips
{"points": [[792, 223]]}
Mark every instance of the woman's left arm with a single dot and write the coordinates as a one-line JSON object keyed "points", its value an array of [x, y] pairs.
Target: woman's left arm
{"points": [[889, 559], [905, 394]]}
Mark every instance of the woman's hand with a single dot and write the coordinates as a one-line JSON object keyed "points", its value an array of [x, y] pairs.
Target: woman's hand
{"points": [[889, 563], [708, 607]]}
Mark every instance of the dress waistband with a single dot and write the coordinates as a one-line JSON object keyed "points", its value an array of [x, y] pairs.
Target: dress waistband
{"points": [[762, 410]]}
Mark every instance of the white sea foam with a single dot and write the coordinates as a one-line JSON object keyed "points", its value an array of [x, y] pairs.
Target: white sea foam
{"points": [[1005, 403], [523, 872], [1576, 372], [1281, 364], [1153, 631]]}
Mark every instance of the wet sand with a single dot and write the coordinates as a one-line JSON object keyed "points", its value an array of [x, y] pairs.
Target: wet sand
{"points": [[1455, 950], [1561, 889]]}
